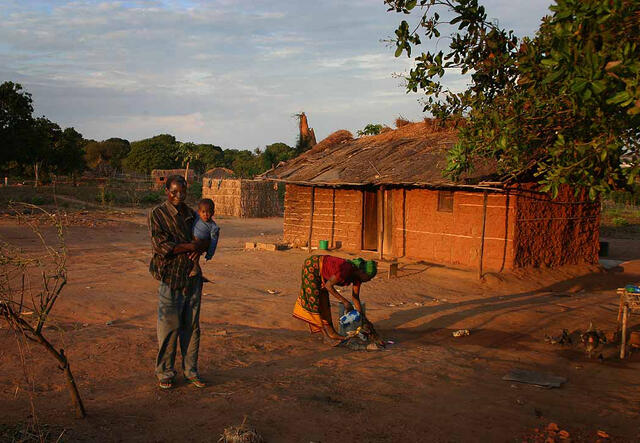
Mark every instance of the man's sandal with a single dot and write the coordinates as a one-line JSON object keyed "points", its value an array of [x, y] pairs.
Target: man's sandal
{"points": [[165, 384], [197, 382]]}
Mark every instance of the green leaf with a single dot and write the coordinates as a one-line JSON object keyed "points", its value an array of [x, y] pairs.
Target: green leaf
{"points": [[618, 98]]}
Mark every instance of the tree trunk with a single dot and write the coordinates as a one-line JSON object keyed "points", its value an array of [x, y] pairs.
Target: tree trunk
{"points": [[35, 168], [186, 173]]}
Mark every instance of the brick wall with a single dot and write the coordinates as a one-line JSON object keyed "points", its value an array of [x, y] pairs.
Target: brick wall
{"points": [[422, 232], [521, 230], [337, 216], [556, 232]]}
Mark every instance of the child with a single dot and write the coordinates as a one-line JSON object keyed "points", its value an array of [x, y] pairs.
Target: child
{"points": [[204, 228]]}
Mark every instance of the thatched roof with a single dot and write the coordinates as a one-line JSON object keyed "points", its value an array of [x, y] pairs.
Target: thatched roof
{"points": [[412, 155], [169, 172], [219, 173]]}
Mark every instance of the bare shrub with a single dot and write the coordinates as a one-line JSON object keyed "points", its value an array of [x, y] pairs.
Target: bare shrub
{"points": [[30, 285]]}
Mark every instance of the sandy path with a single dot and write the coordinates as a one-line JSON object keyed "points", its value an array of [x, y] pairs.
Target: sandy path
{"points": [[293, 388]]}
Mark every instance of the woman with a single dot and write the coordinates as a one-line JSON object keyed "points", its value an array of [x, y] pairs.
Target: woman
{"points": [[320, 275]]}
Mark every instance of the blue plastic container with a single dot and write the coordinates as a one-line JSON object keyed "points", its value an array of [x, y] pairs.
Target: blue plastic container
{"points": [[350, 318], [634, 289]]}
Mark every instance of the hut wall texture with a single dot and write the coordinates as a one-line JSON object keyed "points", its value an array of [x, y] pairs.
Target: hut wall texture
{"points": [[422, 232], [259, 199], [242, 198], [522, 229], [337, 217], [556, 232], [226, 194]]}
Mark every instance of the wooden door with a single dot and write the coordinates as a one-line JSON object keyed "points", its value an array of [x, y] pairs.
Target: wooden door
{"points": [[370, 221]]}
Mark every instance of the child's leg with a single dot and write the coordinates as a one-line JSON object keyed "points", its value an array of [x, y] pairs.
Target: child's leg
{"points": [[196, 267]]}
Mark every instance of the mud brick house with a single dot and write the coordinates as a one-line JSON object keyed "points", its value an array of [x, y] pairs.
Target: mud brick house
{"points": [[159, 176], [387, 194]]}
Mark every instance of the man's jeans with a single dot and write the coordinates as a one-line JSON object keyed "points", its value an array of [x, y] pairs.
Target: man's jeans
{"points": [[178, 319]]}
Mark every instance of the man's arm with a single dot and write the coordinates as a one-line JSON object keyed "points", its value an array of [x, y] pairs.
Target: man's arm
{"points": [[161, 240]]}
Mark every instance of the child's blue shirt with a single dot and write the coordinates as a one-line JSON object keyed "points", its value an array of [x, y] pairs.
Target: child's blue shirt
{"points": [[203, 230]]}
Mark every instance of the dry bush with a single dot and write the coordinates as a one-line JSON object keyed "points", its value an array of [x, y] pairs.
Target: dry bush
{"points": [[241, 434], [30, 285]]}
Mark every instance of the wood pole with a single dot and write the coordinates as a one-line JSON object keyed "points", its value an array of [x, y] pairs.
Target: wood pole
{"points": [[313, 198], [484, 225], [333, 218], [381, 227], [623, 338], [362, 224], [404, 222]]}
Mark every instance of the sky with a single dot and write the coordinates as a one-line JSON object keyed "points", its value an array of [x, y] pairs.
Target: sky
{"points": [[228, 72]]}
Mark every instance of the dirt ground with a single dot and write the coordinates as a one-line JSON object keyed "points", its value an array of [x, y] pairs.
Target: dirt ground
{"points": [[292, 387]]}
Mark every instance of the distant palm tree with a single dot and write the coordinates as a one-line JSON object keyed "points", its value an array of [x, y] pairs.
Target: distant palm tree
{"points": [[187, 153]]}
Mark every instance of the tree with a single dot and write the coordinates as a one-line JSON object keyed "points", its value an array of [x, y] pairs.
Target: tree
{"points": [[38, 149], [187, 153], [67, 157], [243, 163], [370, 129], [276, 153], [157, 152], [113, 150], [211, 156], [16, 121], [561, 107], [35, 144]]}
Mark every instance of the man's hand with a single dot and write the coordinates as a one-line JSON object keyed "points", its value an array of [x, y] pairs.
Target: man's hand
{"points": [[201, 245], [181, 248]]}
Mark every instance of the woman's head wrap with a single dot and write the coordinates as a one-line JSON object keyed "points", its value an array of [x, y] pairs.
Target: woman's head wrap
{"points": [[369, 267], [357, 262]]}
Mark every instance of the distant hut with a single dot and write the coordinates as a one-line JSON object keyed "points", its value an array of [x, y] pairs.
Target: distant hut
{"points": [[387, 194], [159, 176], [242, 198], [219, 173]]}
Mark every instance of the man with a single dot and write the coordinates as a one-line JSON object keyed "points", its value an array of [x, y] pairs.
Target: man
{"points": [[170, 226]]}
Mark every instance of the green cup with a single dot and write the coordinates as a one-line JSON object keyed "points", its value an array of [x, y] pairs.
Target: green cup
{"points": [[323, 244]]}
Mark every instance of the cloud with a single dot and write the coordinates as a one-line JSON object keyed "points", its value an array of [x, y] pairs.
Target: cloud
{"points": [[220, 71]]}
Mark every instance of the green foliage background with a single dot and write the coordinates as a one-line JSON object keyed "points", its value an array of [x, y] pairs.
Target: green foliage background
{"points": [[560, 107], [27, 142]]}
